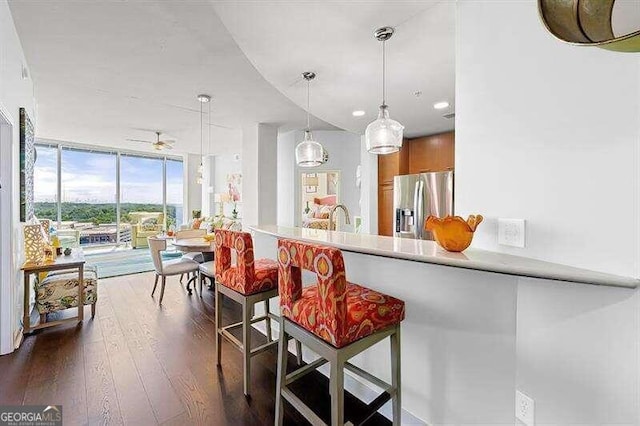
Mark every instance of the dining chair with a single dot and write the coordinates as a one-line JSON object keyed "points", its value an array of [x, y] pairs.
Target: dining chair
{"points": [[191, 233], [172, 267]]}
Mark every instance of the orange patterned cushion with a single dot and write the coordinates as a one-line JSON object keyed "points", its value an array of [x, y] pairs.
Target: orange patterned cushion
{"points": [[266, 278], [367, 312], [248, 276], [334, 310]]}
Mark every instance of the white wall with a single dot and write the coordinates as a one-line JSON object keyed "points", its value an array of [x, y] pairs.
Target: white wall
{"points": [[15, 92], [259, 175], [369, 190], [547, 132], [344, 155], [286, 178], [194, 190], [224, 165]]}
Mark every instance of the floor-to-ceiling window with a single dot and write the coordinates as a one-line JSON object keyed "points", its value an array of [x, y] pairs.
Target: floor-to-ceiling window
{"points": [[103, 194], [89, 195], [45, 182], [141, 191]]}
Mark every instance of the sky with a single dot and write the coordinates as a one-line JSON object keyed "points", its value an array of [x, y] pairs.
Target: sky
{"points": [[91, 177]]}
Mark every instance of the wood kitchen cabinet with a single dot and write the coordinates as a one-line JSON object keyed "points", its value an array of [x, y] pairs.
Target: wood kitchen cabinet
{"points": [[392, 165], [433, 153]]}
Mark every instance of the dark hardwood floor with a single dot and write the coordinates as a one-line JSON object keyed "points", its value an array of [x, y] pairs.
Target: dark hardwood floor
{"points": [[138, 363]]}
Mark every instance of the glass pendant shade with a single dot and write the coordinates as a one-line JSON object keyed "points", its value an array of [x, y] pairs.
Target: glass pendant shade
{"points": [[384, 136], [309, 153]]}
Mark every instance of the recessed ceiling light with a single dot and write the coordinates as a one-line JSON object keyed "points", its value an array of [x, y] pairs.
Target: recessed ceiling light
{"points": [[441, 105], [358, 113]]}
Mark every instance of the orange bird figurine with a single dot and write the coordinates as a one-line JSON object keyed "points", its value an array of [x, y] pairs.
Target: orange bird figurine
{"points": [[453, 233]]}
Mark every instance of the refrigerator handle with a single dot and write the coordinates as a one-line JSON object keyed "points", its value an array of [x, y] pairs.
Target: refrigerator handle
{"points": [[418, 203]]}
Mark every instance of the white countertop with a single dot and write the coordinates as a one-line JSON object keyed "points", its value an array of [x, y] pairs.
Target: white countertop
{"points": [[430, 252]]}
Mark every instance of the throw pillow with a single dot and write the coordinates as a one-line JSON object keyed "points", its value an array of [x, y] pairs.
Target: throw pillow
{"points": [[149, 224], [323, 212]]}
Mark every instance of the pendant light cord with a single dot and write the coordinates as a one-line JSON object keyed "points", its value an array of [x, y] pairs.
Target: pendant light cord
{"points": [[201, 133], [384, 69], [209, 133], [308, 103]]}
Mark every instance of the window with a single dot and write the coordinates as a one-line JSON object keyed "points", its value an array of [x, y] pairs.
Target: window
{"points": [[141, 190], [45, 182], [89, 195], [88, 200]]}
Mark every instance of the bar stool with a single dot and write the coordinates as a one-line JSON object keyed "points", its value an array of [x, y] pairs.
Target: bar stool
{"points": [[249, 282], [337, 320]]}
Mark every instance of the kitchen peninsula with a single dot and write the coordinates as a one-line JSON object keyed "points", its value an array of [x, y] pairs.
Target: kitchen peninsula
{"points": [[477, 322]]}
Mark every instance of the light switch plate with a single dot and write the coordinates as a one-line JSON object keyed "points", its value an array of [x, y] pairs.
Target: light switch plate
{"points": [[511, 232]]}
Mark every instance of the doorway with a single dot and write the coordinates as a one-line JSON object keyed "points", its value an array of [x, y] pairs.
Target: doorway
{"points": [[7, 291]]}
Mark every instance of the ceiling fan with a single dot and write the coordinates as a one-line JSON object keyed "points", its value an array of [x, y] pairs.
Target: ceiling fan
{"points": [[157, 144]]}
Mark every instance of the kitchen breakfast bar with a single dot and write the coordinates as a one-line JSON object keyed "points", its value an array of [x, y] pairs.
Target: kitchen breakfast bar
{"points": [[480, 325]]}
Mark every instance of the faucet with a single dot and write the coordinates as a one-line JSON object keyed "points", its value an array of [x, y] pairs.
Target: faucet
{"points": [[344, 208]]}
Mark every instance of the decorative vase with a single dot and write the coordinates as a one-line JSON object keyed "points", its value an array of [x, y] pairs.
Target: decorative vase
{"points": [[453, 233], [307, 209]]}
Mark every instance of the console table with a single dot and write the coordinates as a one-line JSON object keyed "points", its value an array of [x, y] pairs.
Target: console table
{"points": [[75, 261]]}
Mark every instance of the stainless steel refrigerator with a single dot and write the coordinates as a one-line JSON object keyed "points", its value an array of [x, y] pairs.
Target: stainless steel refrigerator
{"points": [[415, 197]]}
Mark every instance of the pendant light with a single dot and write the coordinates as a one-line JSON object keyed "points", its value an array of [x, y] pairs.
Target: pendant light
{"points": [[203, 99], [383, 136], [309, 153]]}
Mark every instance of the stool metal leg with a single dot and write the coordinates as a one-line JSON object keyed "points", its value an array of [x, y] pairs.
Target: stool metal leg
{"points": [[336, 389], [396, 382], [268, 319], [246, 344], [218, 325], [281, 374], [299, 352]]}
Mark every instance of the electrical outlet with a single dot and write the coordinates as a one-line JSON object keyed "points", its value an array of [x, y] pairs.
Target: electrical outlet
{"points": [[511, 232], [525, 409]]}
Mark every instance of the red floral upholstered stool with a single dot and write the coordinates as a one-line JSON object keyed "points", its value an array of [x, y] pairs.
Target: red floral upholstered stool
{"points": [[247, 282], [337, 320]]}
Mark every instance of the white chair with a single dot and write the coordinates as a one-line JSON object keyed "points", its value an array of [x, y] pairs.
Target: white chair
{"points": [[207, 270], [164, 269], [191, 233]]}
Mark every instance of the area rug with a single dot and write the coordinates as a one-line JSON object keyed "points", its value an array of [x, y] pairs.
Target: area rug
{"points": [[125, 262]]}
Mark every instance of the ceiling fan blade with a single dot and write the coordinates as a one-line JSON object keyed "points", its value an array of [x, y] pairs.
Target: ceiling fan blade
{"points": [[221, 126], [138, 140], [168, 142]]}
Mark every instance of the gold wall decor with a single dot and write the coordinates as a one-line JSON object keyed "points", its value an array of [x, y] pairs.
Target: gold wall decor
{"points": [[586, 23], [33, 244]]}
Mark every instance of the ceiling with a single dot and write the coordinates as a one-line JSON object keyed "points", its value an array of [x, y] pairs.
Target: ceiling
{"points": [[106, 71], [335, 39]]}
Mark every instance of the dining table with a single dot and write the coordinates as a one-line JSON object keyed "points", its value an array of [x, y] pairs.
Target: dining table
{"points": [[198, 244]]}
